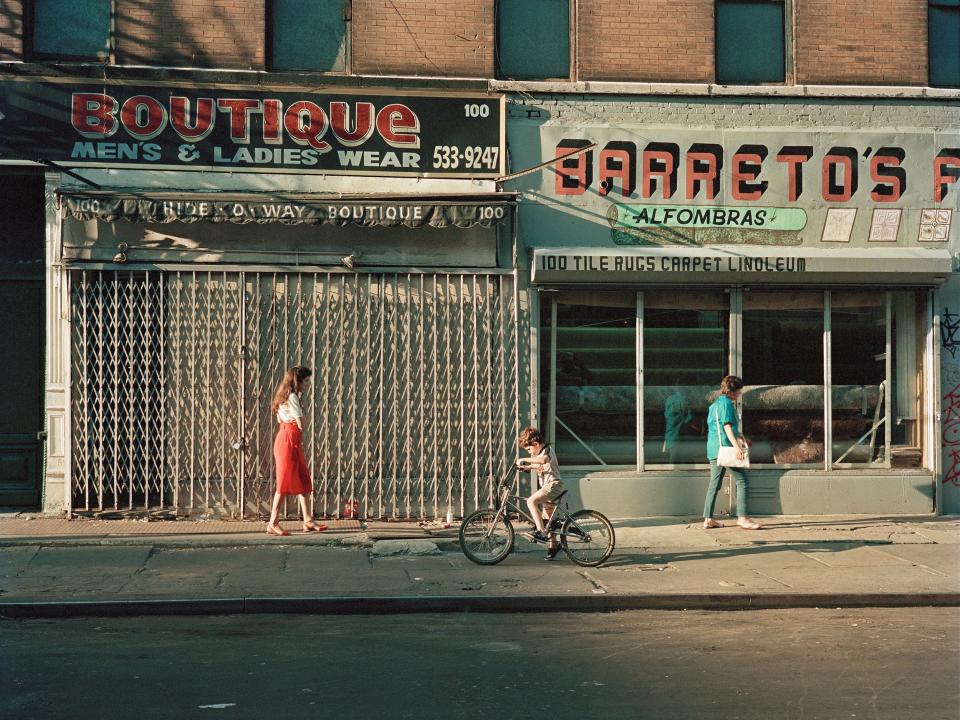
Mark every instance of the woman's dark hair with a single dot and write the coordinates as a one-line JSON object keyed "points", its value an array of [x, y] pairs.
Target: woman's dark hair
{"points": [[730, 384], [292, 379]]}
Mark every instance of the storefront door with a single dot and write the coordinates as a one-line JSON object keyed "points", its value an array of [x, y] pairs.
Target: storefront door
{"points": [[21, 349]]}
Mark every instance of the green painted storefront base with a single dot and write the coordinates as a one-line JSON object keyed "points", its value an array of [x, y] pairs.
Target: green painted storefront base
{"points": [[628, 494]]}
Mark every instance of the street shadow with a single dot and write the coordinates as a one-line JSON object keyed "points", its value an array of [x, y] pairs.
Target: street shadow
{"points": [[735, 551]]}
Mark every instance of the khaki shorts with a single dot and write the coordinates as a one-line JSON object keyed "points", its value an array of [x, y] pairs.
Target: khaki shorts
{"points": [[553, 489]]}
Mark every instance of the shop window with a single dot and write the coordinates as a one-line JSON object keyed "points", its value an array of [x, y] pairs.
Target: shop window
{"points": [[309, 35], [944, 43], [533, 39], [858, 329], [750, 41], [590, 375], [685, 339], [782, 352], [71, 30]]}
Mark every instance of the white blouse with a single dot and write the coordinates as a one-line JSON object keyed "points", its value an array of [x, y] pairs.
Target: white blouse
{"points": [[290, 411]]}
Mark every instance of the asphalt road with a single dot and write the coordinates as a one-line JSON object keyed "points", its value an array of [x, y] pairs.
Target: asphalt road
{"points": [[788, 665]]}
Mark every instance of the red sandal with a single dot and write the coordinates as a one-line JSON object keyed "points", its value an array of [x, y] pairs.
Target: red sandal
{"points": [[312, 527], [276, 530]]}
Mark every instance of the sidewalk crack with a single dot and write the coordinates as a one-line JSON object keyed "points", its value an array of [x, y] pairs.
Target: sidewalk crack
{"points": [[140, 570], [926, 568], [770, 577], [598, 587]]}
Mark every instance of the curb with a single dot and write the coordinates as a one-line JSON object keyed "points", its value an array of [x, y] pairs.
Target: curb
{"points": [[388, 605], [191, 542]]}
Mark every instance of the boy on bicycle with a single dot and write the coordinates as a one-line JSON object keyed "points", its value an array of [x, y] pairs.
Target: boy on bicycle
{"points": [[541, 503]]}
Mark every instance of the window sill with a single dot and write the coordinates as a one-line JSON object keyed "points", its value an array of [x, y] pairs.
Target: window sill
{"points": [[713, 90], [624, 472]]}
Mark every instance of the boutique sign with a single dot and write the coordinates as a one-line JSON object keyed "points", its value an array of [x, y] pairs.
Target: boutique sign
{"points": [[107, 207], [368, 133]]}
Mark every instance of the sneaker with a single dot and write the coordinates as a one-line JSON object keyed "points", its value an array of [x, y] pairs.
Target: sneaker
{"points": [[535, 536], [552, 553]]}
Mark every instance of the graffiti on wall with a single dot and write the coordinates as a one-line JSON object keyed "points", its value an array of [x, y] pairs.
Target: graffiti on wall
{"points": [[951, 436], [950, 332]]}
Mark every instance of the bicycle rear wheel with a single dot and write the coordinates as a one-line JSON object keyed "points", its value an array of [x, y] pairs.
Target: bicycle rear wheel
{"points": [[587, 538], [486, 537]]}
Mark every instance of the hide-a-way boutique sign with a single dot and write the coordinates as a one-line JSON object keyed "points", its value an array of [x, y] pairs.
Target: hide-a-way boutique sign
{"points": [[449, 211], [84, 124]]}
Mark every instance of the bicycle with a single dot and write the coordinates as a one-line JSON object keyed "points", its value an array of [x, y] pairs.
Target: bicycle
{"points": [[487, 535]]}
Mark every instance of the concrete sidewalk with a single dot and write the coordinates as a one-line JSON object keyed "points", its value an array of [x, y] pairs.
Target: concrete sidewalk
{"points": [[59, 567]]}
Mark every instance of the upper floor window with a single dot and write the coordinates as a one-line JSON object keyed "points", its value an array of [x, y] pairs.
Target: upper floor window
{"points": [[944, 43], [71, 30], [750, 37], [309, 35], [533, 39]]}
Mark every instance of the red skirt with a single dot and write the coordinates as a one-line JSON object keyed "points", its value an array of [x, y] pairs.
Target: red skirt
{"points": [[293, 478]]}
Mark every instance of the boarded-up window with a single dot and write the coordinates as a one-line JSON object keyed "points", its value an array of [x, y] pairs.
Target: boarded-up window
{"points": [[533, 39], [309, 35], [945, 43], [71, 29], [750, 42]]}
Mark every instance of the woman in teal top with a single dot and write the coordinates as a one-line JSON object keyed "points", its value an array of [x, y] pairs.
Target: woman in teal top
{"points": [[723, 414]]}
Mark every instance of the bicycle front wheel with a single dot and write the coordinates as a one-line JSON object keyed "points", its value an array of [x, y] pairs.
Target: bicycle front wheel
{"points": [[587, 538], [486, 537]]}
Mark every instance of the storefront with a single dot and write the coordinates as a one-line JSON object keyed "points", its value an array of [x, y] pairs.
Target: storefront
{"points": [[807, 263], [202, 240]]}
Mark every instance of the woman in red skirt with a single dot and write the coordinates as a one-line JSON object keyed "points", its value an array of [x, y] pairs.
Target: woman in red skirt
{"points": [[293, 478]]}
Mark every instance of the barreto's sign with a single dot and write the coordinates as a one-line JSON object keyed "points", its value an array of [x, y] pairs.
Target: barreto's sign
{"points": [[648, 186], [794, 170], [370, 133]]}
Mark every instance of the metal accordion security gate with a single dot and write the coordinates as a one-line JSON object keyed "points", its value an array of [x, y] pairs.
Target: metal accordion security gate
{"points": [[413, 408]]}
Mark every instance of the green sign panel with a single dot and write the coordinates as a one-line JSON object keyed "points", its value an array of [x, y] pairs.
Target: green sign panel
{"points": [[707, 216]]}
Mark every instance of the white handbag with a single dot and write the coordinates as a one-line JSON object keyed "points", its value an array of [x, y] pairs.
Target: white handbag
{"points": [[727, 456]]}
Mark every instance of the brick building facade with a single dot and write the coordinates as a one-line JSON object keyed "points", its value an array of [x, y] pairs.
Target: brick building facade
{"points": [[804, 138], [614, 40]]}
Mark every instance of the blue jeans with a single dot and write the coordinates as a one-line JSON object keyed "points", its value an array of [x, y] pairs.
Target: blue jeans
{"points": [[716, 478]]}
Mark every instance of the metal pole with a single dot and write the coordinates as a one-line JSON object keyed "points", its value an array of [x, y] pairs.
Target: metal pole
{"points": [[932, 392], [639, 382], [827, 380], [242, 394], [888, 385], [552, 397]]}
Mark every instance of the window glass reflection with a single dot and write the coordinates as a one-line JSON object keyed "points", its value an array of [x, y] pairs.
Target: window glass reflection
{"points": [[596, 397], [783, 371], [858, 332], [685, 357]]}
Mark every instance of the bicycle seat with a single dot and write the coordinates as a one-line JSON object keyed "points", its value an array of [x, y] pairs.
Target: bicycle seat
{"points": [[559, 497]]}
